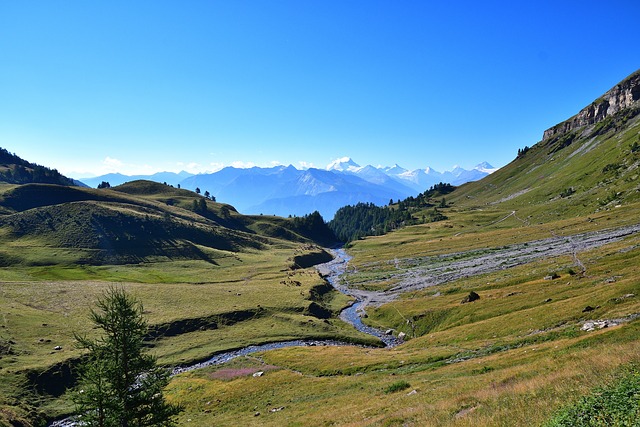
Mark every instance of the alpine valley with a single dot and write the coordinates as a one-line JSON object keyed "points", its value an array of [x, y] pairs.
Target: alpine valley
{"points": [[511, 300]]}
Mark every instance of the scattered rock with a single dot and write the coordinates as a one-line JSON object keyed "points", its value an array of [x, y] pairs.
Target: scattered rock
{"points": [[548, 300], [276, 409], [592, 325], [57, 347], [471, 297], [412, 392], [622, 298], [257, 414], [587, 309], [388, 332], [401, 336], [465, 411], [258, 374]]}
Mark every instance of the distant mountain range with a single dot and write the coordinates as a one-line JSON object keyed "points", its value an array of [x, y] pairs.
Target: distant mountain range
{"points": [[285, 190], [114, 179]]}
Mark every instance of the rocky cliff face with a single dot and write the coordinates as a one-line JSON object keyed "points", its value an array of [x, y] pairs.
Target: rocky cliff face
{"points": [[625, 94]]}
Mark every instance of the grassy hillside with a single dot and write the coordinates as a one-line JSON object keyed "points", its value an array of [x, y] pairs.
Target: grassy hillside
{"points": [[135, 222], [587, 170], [542, 334], [211, 279]]}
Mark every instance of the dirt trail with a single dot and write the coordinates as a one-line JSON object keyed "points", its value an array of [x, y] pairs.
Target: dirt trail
{"points": [[422, 272]]}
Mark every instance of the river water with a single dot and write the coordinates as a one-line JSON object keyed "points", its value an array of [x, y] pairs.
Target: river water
{"points": [[331, 271]]}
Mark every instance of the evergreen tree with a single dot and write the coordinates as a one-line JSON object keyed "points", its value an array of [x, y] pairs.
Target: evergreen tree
{"points": [[202, 206], [120, 385]]}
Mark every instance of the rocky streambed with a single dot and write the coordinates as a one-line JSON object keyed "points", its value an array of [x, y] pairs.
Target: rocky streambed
{"points": [[416, 273]]}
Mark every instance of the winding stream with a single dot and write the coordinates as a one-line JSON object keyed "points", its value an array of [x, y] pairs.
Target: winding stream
{"points": [[331, 271]]}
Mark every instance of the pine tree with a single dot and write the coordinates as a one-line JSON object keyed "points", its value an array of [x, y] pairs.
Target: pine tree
{"points": [[120, 385]]}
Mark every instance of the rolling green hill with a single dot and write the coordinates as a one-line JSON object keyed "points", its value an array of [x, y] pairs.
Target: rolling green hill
{"points": [[135, 222]]}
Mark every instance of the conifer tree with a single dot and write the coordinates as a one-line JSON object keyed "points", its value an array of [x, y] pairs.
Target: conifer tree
{"points": [[120, 385]]}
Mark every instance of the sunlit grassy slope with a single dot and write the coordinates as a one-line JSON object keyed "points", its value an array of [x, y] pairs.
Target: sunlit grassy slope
{"points": [[513, 357]]}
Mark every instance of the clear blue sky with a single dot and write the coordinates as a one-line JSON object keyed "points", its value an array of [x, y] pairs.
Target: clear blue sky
{"points": [[90, 87]]}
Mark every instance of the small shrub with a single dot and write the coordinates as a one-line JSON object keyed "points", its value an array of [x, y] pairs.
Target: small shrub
{"points": [[397, 386], [611, 167], [567, 192], [471, 297], [617, 404]]}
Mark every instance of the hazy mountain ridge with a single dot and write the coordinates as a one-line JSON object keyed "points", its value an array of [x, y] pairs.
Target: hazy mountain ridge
{"points": [[286, 190], [114, 179]]}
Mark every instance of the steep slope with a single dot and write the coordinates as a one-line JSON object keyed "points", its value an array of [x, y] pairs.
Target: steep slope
{"points": [[583, 165]]}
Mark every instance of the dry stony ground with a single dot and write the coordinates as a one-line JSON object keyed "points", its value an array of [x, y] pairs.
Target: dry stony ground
{"points": [[413, 274]]}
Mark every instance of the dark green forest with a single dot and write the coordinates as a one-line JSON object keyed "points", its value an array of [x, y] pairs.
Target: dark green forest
{"points": [[367, 219], [14, 170], [313, 227]]}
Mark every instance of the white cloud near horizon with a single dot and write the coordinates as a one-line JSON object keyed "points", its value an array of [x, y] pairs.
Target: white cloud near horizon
{"points": [[305, 165]]}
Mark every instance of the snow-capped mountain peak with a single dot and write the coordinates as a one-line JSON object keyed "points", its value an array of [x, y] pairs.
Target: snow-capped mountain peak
{"points": [[485, 167], [343, 164], [430, 171], [393, 170]]}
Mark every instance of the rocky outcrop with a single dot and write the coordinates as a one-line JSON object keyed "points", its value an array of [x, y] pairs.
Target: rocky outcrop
{"points": [[624, 95]]}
